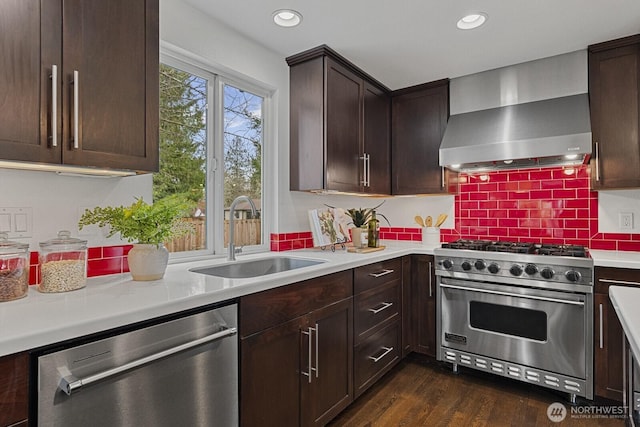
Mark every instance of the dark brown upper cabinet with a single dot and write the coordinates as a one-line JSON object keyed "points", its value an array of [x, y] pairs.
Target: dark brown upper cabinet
{"points": [[339, 126], [419, 119], [79, 82], [614, 80]]}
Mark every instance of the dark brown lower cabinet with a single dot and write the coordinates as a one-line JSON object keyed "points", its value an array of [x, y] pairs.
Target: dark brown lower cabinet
{"points": [[296, 352], [608, 370], [423, 305], [14, 387], [378, 321]]}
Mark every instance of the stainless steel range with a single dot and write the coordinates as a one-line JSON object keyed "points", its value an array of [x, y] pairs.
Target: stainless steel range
{"points": [[518, 310]]}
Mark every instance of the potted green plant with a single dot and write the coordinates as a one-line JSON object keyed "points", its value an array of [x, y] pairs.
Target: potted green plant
{"points": [[148, 226], [360, 219]]}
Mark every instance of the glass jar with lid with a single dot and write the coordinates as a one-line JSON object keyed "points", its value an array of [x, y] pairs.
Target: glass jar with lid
{"points": [[14, 269], [63, 263]]}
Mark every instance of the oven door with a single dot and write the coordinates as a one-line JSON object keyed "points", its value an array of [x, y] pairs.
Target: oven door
{"points": [[533, 327]]}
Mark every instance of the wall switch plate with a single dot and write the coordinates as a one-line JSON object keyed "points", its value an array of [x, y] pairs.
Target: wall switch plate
{"points": [[18, 222], [626, 220]]}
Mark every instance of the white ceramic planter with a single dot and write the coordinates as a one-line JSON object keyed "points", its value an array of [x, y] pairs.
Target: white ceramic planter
{"points": [[147, 262]]}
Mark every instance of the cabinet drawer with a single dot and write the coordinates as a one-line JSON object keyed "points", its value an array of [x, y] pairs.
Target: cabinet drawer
{"points": [[375, 356], [376, 306], [372, 275], [611, 276], [262, 310]]}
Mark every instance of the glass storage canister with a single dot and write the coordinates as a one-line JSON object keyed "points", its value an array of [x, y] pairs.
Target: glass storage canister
{"points": [[14, 269], [63, 263]]}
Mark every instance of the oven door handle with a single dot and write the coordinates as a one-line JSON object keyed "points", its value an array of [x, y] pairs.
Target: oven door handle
{"points": [[509, 294], [70, 384]]}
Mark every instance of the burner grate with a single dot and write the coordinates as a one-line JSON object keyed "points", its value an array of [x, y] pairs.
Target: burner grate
{"points": [[519, 247]]}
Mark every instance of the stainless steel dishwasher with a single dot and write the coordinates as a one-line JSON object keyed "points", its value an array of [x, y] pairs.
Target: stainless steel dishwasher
{"points": [[182, 372]]}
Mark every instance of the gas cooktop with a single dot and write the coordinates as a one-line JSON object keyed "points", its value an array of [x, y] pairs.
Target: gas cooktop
{"points": [[515, 262], [519, 248]]}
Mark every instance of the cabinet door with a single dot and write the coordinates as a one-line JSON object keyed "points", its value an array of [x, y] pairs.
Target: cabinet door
{"points": [[424, 299], [343, 128], [607, 349], [377, 139], [419, 119], [613, 91], [30, 45], [14, 385], [331, 387], [607, 342], [114, 48], [271, 374]]}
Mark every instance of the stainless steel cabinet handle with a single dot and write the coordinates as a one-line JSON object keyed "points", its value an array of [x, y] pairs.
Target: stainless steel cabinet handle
{"points": [[430, 285], [509, 294], [442, 176], [70, 384], [317, 331], [387, 350], [76, 96], [384, 306], [601, 332], [308, 373], [619, 282], [382, 273], [597, 162], [54, 105], [368, 169]]}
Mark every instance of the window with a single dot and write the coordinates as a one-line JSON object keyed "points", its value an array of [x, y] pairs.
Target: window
{"points": [[204, 117]]}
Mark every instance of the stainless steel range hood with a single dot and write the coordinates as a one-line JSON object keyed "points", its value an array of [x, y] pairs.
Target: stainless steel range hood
{"points": [[544, 123]]}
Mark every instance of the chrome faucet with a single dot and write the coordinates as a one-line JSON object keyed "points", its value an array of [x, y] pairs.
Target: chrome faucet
{"points": [[232, 216]]}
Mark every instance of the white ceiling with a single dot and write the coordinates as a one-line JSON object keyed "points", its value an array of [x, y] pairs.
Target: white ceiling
{"points": [[407, 42]]}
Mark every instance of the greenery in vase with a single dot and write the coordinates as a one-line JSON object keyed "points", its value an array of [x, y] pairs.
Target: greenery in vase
{"points": [[142, 222], [360, 217]]}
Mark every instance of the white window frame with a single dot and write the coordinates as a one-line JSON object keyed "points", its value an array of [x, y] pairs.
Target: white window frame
{"points": [[217, 77]]}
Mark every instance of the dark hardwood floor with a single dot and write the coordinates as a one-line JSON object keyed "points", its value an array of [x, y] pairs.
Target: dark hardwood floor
{"points": [[423, 392]]}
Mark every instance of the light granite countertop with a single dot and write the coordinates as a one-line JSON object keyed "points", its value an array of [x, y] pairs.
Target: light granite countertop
{"points": [[113, 301]]}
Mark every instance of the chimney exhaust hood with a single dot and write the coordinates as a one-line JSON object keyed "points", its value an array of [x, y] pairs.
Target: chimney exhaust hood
{"points": [[523, 116]]}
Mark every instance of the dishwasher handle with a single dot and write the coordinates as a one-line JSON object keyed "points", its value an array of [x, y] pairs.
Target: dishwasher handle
{"points": [[70, 384]]}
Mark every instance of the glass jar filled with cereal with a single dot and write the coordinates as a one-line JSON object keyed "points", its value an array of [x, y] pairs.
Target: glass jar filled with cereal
{"points": [[14, 269], [63, 263]]}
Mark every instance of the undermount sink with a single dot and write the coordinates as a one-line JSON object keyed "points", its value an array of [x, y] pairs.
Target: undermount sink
{"points": [[255, 268]]}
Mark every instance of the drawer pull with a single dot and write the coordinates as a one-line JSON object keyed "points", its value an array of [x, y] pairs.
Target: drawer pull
{"points": [[387, 350], [619, 282], [382, 273], [384, 306]]}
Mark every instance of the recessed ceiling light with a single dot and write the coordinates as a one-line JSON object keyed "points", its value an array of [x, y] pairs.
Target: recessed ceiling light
{"points": [[471, 21], [287, 17]]}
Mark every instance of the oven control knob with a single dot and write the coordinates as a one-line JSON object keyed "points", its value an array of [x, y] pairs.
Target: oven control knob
{"points": [[516, 270], [531, 269], [466, 266], [480, 265], [493, 268], [547, 273], [573, 276], [447, 263]]}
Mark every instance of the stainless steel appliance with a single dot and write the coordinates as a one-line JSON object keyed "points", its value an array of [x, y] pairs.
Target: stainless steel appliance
{"points": [[518, 310], [534, 114], [179, 372]]}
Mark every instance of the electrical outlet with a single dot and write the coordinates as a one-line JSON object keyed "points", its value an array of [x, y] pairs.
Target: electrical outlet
{"points": [[626, 220]]}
